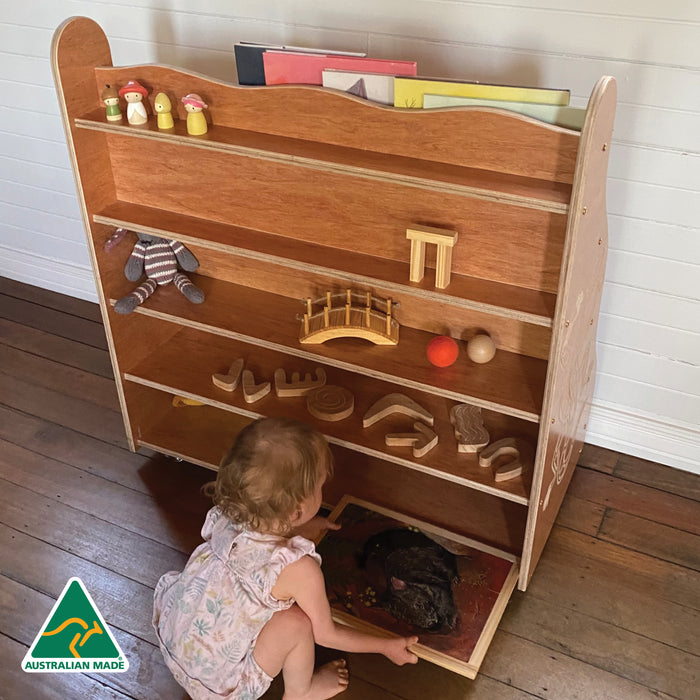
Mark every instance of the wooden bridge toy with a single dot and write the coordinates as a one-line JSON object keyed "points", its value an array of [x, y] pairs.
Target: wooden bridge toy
{"points": [[345, 320]]}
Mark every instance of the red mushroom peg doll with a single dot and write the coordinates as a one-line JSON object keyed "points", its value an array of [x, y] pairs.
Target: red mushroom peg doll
{"points": [[133, 92], [110, 97], [196, 121]]}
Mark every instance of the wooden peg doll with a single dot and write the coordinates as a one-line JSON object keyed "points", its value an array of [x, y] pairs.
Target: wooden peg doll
{"points": [[196, 121], [110, 97], [163, 108], [133, 92]]}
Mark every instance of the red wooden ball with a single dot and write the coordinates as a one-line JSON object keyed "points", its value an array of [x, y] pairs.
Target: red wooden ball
{"points": [[442, 351]]}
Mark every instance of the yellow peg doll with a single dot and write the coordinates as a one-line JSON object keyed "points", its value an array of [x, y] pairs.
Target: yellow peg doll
{"points": [[196, 121], [163, 109]]}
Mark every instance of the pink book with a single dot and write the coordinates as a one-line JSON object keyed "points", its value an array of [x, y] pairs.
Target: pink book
{"points": [[284, 67]]}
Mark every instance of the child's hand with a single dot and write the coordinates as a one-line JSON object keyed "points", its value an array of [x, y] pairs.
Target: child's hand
{"points": [[397, 650], [314, 528]]}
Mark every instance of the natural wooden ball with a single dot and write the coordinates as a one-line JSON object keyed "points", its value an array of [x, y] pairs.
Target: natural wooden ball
{"points": [[481, 349], [442, 351]]}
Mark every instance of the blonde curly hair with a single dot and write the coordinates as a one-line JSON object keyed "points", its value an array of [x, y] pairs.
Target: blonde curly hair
{"points": [[274, 464]]}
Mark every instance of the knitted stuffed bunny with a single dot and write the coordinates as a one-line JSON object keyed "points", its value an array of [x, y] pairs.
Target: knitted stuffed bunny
{"points": [[159, 258]]}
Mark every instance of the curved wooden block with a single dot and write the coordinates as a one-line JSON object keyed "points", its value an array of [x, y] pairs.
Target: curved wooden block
{"points": [[229, 382], [331, 403], [297, 386], [422, 441], [469, 427], [396, 403], [506, 446], [253, 392]]}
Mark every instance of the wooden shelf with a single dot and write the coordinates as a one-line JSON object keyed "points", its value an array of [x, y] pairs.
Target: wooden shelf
{"points": [[203, 434], [207, 354], [482, 184], [508, 301], [511, 384]]}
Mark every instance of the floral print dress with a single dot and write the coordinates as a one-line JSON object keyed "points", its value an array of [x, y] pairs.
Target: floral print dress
{"points": [[208, 617]]}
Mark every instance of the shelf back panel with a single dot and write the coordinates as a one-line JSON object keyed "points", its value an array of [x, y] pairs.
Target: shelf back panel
{"points": [[341, 211]]}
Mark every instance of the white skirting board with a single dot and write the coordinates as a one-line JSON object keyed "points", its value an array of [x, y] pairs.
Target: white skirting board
{"points": [[651, 437], [56, 275], [615, 427]]}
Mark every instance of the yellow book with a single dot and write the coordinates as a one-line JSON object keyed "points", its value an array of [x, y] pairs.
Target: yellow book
{"points": [[408, 92]]}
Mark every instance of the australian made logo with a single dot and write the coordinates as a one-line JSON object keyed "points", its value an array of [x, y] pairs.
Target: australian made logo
{"points": [[74, 637]]}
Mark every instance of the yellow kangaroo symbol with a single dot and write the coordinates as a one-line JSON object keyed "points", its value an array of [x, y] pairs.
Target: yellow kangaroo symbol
{"points": [[96, 629]]}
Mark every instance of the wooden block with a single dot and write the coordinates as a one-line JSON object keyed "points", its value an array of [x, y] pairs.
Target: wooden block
{"points": [[422, 440], [253, 392], [506, 446], [395, 403], [229, 382], [469, 427], [508, 471], [331, 403], [298, 386]]}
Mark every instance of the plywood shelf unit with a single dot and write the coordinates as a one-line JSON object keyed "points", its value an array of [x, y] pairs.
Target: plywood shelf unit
{"points": [[296, 191]]}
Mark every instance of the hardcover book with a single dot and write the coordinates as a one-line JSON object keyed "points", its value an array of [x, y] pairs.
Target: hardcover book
{"points": [[409, 92], [298, 68], [568, 117], [249, 59], [376, 87]]}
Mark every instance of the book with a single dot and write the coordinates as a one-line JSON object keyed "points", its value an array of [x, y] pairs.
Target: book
{"points": [[249, 59], [285, 67], [568, 117], [408, 92], [376, 87]]}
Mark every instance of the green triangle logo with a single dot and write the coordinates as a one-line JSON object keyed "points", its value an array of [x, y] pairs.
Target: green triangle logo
{"points": [[74, 637]]}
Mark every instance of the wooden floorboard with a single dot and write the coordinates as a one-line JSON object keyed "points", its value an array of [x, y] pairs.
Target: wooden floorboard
{"points": [[612, 611]]}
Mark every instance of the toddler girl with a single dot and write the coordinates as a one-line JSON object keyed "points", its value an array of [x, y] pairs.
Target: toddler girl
{"points": [[251, 601]]}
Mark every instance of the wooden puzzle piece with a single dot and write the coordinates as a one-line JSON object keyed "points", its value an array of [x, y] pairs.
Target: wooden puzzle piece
{"points": [[422, 440], [330, 403], [469, 427], [298, 386], [395, 403], [253, 392], [500, 448], [229, 382]]}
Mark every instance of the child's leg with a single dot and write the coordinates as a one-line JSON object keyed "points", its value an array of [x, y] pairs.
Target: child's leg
{"points": [[286, 643]]}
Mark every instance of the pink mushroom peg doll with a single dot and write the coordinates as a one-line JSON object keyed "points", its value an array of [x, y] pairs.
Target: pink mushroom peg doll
{"points": [[133, 92], [196, 121], [163, 108], [110, 97]]}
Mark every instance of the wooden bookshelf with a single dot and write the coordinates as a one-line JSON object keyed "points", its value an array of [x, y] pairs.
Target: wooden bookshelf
{"points": [[295, 191]]}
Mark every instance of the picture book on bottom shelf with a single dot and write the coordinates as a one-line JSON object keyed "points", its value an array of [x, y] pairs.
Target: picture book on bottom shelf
{"points": [[397, 576]]}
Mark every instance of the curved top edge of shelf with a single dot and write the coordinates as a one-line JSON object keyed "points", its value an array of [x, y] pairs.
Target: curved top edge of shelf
{"points": [[332, 93]]}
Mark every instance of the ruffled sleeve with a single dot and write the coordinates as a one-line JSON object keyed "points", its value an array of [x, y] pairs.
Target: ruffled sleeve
{"points": [[294, 549]]}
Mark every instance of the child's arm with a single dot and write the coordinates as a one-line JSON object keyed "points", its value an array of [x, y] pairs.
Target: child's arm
{"points": [[304, 582]]}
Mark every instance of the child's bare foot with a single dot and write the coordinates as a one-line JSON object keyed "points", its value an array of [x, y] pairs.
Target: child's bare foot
{"points": [[327, 681]]}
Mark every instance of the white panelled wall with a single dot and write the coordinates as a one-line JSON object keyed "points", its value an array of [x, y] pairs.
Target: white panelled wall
{"points": [[647, 399]]}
